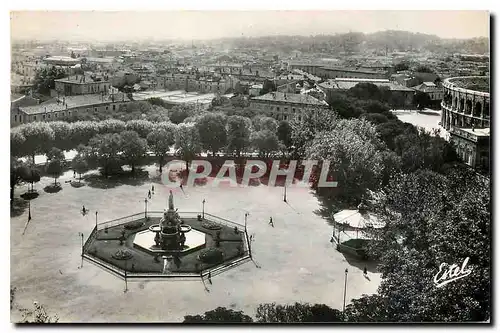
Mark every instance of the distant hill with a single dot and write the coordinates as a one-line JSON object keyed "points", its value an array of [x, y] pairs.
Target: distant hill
{"points": [[390, 40]]}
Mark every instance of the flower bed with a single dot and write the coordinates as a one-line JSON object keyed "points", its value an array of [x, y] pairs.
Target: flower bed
{"points": [[210, 225], [122, 255], [134, 225]]}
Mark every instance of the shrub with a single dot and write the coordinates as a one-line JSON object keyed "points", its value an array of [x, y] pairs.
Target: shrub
{"points": [[211, 256]]}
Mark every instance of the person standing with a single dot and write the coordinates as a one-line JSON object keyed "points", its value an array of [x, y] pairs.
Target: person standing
{"points": [[149, 194], [271, 223], [210, 277], [153, 189], [365, 271]]}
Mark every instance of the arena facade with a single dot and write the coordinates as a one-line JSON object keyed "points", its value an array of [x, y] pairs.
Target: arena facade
{"points": [[466, 102]]}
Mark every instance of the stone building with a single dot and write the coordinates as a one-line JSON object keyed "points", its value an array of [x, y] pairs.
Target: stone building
{"points": [[61, 107], [286, 106], [82, 85], [472, 145]]}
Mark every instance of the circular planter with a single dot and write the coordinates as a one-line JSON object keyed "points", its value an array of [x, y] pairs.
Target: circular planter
{"points": [[77, 184]]}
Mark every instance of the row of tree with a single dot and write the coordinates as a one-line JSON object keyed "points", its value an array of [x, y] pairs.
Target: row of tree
{"points": [[212, 132]]}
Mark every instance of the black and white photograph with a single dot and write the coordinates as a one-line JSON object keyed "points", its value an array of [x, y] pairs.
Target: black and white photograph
{"points": [[250, 166]]}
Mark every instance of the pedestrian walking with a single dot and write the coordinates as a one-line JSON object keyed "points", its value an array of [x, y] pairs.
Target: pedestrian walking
{"points": [[271, 223], [210, 277], [153, 189], [181, 187], [149, 194], [365, 271], [84, 211]]}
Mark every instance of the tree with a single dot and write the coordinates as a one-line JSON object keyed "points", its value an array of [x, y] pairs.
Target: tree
{"points": [[55, 154], [17, 143], [62, 134], [80, 165], [284, 132], [134, 148], [161, 139], [265, 141], [354, 151], [54, 168], [219, 315], [345, 106], [366, 91], [187, 142], [141, 127], [83, 131], [261, 123], [109, 126], [297, 313], [212, 130], [431, 219], [238, 134], [39, 137], [424, 69], [18, 171], [375, 118], [31, 175], [304, 131], [45, 78], [179, 112], [421, 100], [402, 66], [423, 150], [106, 148]]}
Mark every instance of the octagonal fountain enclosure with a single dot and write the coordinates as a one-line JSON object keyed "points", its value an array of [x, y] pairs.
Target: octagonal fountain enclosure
{"points": [[145, 240]]}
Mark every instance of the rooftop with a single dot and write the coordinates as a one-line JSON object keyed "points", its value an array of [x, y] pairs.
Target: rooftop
{"points": [[290, 98], [70, 103], [354, 70], [346, 84], [176, 96], [80, 79]]}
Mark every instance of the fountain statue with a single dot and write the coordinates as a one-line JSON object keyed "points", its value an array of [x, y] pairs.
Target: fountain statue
{"points": [[170, 232]]}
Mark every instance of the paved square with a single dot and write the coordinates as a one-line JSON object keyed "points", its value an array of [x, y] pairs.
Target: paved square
{"points": [[298, 263]]}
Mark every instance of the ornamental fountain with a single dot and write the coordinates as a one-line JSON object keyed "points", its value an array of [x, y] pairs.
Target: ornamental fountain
{"points": [[170, 233]]}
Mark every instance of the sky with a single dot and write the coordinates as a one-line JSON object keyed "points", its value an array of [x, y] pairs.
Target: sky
{"points": [[108, 26]]}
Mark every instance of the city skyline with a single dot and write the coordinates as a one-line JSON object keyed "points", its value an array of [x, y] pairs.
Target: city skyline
{"points": [[206, 25]]}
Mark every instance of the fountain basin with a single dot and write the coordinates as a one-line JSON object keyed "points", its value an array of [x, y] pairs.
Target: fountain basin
{"points": [[184, 228], [155, 228], [145, 240]]}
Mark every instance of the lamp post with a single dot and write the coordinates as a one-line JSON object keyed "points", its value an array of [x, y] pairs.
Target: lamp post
{"points": [[203, 210], [246, 215], [81, 234], [345, 288], [126, 285]]}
